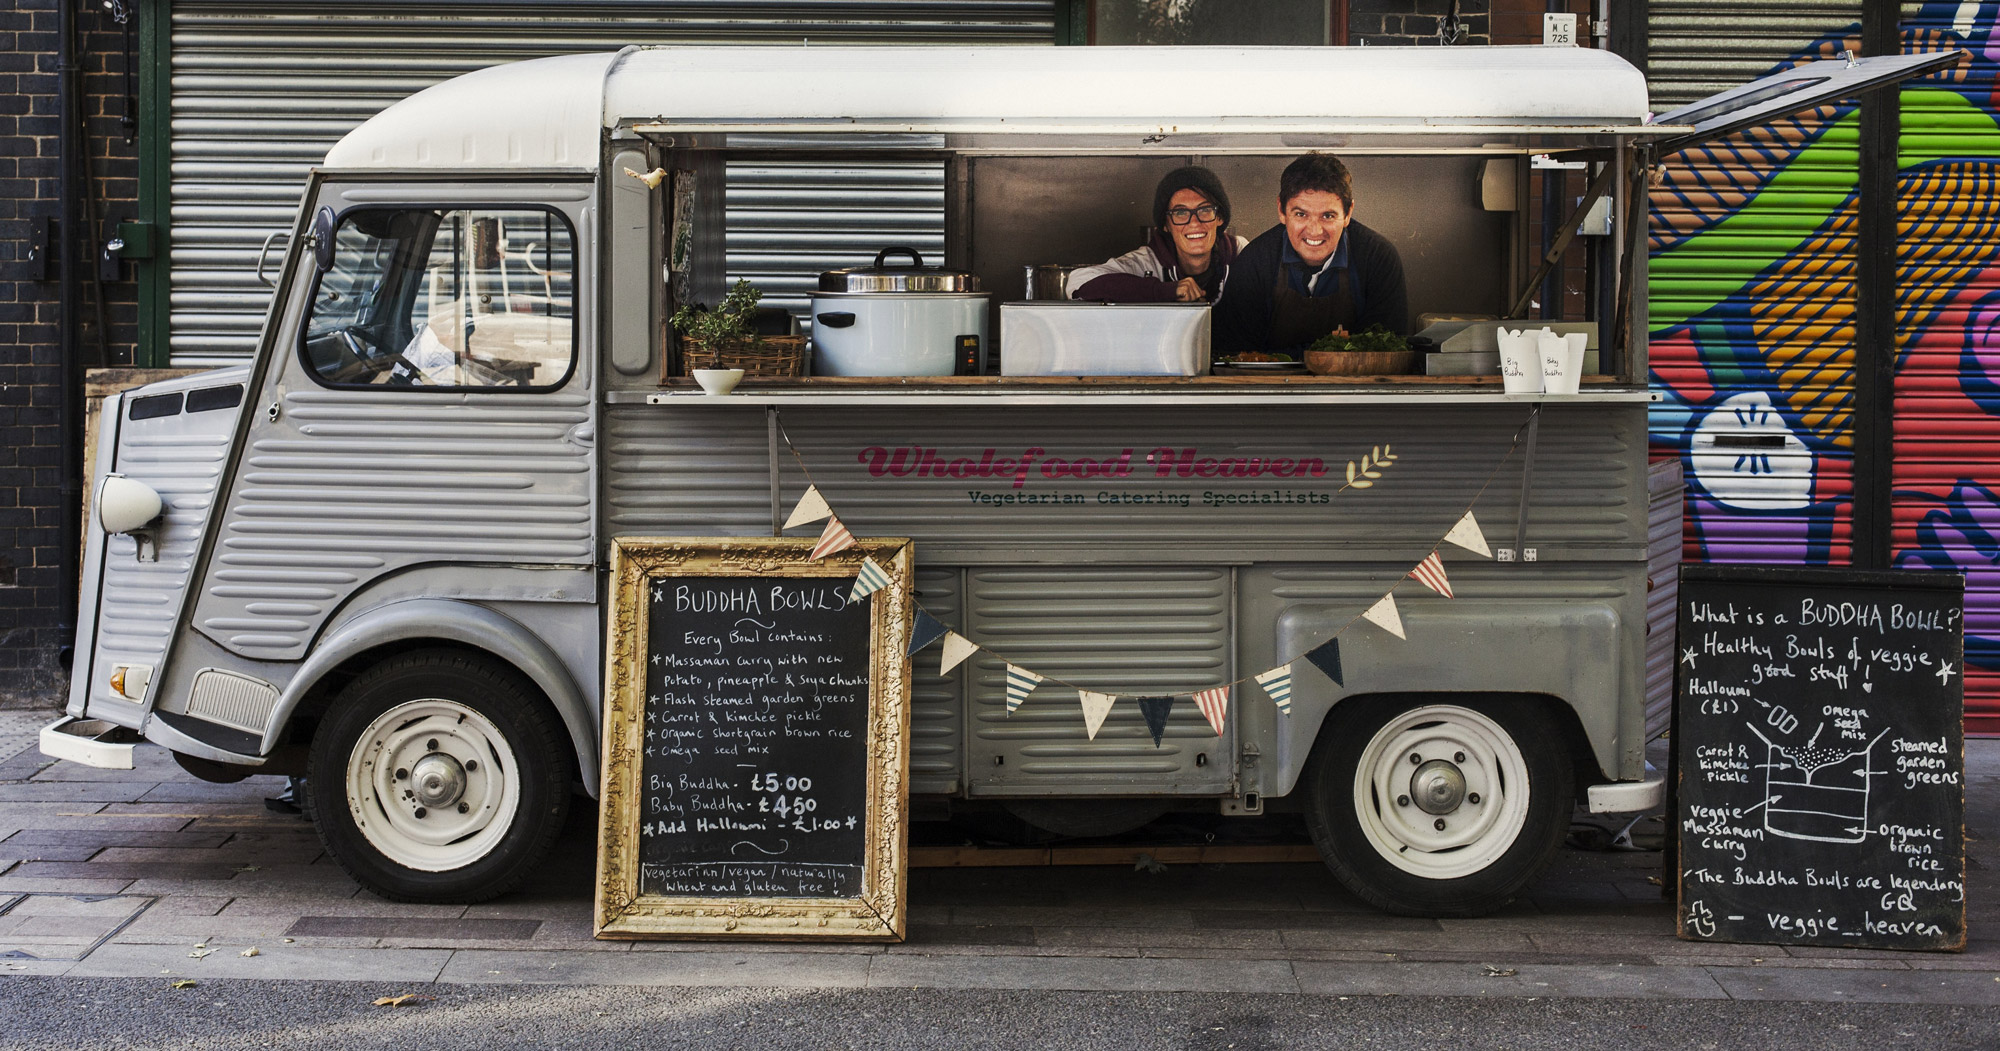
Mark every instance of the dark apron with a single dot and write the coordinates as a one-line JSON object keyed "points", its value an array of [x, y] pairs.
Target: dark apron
{"points": [[1297, 320]]}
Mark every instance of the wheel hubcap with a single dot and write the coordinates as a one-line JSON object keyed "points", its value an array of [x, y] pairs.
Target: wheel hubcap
{"points": [[440, 780], [1438, 787], [1441, 791], [433, 785]]}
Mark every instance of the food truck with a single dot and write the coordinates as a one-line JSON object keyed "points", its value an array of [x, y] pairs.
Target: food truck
{"points": [[375, 556]]}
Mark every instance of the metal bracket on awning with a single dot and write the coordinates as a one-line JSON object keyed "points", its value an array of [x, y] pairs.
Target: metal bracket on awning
{"points": [[1599, 186]]}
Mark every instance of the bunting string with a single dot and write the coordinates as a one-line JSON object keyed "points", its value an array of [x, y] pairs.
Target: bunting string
{"points": [[1212, 700]]}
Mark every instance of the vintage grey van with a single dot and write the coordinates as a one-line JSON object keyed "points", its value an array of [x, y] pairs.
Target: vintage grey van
{"points": [[375, 556]]}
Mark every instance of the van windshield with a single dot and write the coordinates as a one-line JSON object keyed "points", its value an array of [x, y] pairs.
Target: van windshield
{"points": [[445, 299]]}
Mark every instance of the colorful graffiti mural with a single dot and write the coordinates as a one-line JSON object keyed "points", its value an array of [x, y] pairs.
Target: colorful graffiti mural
{"points": [[1753, 283]]}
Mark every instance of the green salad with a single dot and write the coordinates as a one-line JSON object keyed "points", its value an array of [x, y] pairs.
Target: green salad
{"points": [[1375, 338]]}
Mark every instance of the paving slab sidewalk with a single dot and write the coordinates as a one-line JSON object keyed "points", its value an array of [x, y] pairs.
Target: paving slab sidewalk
{"points": [[151, 873]]}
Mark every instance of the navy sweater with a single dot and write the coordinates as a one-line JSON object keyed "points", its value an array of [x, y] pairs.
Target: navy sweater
{"points": [[1242, 320]]}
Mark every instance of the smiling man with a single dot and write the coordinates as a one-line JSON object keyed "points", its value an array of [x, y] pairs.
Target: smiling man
{"points": [[1316, 271]]}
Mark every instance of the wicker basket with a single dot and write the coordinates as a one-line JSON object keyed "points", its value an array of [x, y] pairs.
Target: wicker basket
{"points": [[772, 357]]}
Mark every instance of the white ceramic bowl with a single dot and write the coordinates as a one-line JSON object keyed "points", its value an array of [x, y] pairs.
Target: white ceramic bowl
{"points": [[718, 382]]}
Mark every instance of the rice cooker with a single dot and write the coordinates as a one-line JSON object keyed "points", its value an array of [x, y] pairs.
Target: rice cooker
{"points": [[903, 320]]}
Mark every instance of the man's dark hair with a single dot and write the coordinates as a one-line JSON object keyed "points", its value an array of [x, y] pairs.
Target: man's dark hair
{"points": [[1193, 177], [1316, 171]]}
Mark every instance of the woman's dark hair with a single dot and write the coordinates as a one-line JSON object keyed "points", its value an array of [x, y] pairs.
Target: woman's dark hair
{"points": [[1316, 171], [1192, 177]]}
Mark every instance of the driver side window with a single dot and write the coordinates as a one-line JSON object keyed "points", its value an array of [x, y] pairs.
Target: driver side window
{"points": [[445, 299]]}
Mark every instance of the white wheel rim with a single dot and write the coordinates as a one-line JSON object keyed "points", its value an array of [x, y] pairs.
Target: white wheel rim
{"points": [[431, 741], [1474, 834]]}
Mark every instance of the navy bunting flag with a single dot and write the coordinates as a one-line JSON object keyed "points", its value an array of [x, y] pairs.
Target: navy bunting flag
{"points": [[1326, 657], [1156, 710], [927, 630]]}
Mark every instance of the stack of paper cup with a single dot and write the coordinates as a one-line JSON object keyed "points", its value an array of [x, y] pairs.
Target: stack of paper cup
{"points": [[1520, 367], [1562, 360]]}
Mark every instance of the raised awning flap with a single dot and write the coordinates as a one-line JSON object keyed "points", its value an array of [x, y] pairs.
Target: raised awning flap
{"points": [[1790, 90]]}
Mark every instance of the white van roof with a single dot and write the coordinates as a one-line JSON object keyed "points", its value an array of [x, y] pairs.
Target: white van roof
{"points": [[550, 113]]}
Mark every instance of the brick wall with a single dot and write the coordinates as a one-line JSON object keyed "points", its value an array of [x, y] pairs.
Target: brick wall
{"points": [[1384, 23], [30, 445]]}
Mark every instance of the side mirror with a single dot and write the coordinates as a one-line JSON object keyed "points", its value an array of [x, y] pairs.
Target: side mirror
{"points": [[322, 239], [125, 505]]}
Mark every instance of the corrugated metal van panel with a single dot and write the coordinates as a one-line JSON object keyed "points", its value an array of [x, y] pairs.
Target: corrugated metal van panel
{"points": [[1126, 630], [937, 702], [347, 485], [181, 456], [1946, 469], [1752, 290], [1662, 593], [260, 89], [701, 470]]}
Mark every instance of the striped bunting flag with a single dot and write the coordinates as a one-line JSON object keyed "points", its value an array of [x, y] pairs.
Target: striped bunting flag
{"points": [[1466, 534], [871, 579], [1430, 573], [835, 539], [927, 630], [1020, 683], [1214, 705], [956, 648], [1278, 683], [1095, 707], [1383, 614], [811, 508]]}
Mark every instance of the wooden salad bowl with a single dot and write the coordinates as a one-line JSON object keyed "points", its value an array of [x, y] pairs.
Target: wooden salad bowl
{"points": [[1360, 362]]}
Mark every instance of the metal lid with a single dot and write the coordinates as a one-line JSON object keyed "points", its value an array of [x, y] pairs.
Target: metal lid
{"points": [[915, 277]]}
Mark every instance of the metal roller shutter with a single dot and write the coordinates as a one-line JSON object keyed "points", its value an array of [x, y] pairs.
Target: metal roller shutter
{"points": [[1947, 464], [261, 88], [1752, 290]]}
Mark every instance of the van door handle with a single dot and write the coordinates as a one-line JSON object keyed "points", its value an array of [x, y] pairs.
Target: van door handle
{"points": [[839, 319]]}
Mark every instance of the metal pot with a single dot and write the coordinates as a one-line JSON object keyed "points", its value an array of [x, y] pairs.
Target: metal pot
{"points": [[883, 320], [1049, 280]]}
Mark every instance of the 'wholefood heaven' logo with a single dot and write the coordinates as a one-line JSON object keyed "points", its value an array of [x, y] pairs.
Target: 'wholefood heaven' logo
{"points": [[916, 461]]}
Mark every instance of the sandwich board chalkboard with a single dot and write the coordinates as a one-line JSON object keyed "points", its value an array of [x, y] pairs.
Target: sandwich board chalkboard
{"points": [[756, 735], [1820, 756]]}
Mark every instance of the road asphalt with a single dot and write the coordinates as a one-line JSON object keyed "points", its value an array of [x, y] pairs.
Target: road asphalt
{"points": [[114, 885]]}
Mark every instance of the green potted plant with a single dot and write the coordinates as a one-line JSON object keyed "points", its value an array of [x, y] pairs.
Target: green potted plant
{"points": [[724, 337]]}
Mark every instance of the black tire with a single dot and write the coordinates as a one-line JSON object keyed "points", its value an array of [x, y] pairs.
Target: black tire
{"points": [[1512, 839], [512, 771]]}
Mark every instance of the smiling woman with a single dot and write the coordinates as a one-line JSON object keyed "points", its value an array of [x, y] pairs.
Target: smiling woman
{"points": [[1186, 260]]}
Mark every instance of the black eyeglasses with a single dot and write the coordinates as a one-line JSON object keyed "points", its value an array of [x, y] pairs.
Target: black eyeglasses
{"points": [[1180, 216]]}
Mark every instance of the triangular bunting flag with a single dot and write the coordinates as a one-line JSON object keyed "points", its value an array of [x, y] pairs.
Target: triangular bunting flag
{"points": [[956, 648], [1430, 572], [1214, 705], [1466, 534], [811, 508], [867, 582], [1020, 683], [1156, 710], [835, 539], [1278, 683], [928, 629], [1384, 614], [1326, 657], [1095, 707]]}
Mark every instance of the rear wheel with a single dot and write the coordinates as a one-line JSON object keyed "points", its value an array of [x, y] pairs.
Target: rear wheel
{"points": [[1439, 809], [439, 777]]}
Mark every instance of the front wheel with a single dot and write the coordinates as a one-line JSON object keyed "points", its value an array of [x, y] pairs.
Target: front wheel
{"points": [[439, 777], [1439, 809]]}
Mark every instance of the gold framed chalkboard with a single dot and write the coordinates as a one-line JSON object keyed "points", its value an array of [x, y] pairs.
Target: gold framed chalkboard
{"points": [[756, 742]]}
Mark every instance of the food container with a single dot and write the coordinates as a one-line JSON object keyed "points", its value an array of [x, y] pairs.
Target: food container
{"points": [[1360, 362], [884, 320], [1071, 338]]}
